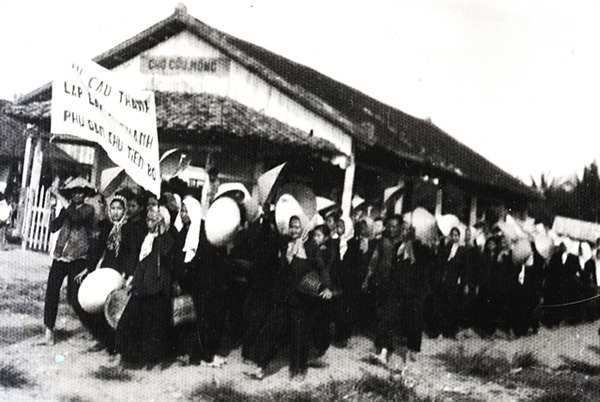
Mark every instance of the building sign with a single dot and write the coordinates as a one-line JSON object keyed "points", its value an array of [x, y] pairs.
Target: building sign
{"points": [[88, 101], [173, 65]]}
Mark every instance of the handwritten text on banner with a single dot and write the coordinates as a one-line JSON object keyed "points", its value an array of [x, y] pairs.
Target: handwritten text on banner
{"points": [[88, 101]]}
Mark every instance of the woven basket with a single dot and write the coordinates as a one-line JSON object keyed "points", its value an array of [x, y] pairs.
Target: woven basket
{"points": [[311, 284], [183, 308], [115, 305]]}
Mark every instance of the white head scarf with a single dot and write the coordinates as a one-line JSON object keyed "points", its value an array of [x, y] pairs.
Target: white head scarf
{"points": [[192, 238], [163, 225]]}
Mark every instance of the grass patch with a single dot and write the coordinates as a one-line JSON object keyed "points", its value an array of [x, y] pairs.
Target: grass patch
{"points": [[75, 398], [558, 397], [214, 392], [595, 349], [12, 335], [480, 364], [572, 384], [21, 306], [386, 389], [579, 366], [368, 388], [111, 374], [13, 377], [24, 297], [525, 360]]}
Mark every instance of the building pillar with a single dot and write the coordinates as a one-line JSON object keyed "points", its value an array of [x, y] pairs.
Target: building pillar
{"points": [[259, 169], [23, 190], [96, 169], [34, 184], [348, 184], [407, 199], [473, 211], [439, 198]]}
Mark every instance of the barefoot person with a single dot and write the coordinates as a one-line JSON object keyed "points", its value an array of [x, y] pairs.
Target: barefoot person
{"points": [[72, 249], [380, 272], [289, 319]]}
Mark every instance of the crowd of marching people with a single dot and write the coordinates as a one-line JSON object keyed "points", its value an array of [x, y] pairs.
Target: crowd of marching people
{"points": [[297, 288]]}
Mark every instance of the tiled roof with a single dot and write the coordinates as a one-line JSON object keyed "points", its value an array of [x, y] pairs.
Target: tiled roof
{"points": [[12, 139], [370, 122], [205, 112]]}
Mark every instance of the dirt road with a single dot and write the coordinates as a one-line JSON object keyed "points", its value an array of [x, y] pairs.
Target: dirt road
{"points": [[72, 371]]}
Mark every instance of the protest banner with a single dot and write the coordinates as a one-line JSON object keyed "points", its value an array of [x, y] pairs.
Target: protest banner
{"points": [[92, 103]]}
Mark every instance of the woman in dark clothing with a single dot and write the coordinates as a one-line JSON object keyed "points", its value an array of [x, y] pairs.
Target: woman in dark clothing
{"points": [[526, 295], [134, 230], [411, 279], [324, 255], [590, 281], [453, 284], [208, 282], [289, 319], [110, 251], [185, 261], [379, 275], [259, 300], [142, 332], [353, 304], [490, 279], [559, 278], [204, 275]]}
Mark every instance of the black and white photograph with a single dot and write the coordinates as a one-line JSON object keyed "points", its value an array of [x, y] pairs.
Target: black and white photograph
{"points": [[285, 201]]}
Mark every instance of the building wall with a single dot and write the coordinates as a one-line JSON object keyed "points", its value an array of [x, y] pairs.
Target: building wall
{"points": [[232, 80]]}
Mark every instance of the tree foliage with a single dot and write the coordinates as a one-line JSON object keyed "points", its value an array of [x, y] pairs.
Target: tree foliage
{"points": [[576, 198]]}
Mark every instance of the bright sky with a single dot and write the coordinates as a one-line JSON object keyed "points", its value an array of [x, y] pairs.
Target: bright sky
{"points": [[518, 82]]}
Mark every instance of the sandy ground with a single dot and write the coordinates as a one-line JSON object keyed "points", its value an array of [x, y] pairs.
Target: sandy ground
{"points": [[64, 371]]}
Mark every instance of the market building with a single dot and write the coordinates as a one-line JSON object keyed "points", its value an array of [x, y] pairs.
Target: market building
{"points": [[236, 106]]}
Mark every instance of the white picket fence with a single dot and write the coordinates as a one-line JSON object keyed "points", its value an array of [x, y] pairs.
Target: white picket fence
{"points": [[36, 225]]}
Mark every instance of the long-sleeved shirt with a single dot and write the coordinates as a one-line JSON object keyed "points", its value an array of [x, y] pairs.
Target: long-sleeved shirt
{"points": [[75, 224]]}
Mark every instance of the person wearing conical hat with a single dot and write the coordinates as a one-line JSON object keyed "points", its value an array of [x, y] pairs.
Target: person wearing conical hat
{"points": [[72, 250]]}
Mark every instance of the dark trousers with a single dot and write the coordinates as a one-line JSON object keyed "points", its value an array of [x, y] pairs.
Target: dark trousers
{"points": [[143, 330], [524, 303], [285, 323], [450, 310], [388, 316], [346, 315], [58, 271], [211, 316], [321, 325], [402, 315], [256, 310], [236, 298], [412, 321]]}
